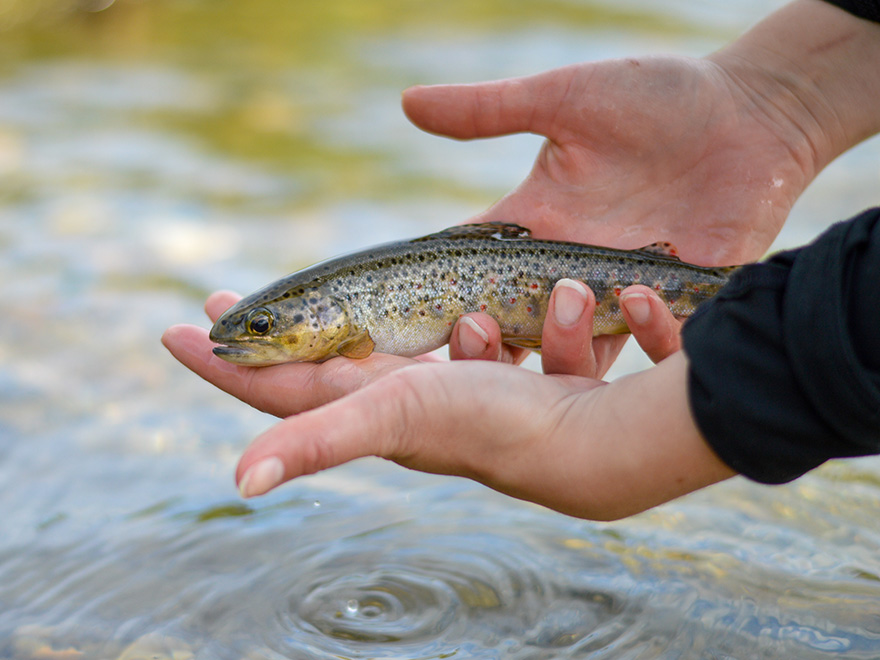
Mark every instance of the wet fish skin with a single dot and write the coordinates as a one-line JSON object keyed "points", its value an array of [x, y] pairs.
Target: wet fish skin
{"points": [[404, 297]]}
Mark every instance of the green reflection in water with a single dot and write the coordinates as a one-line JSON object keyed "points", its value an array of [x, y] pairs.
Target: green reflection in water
{"points": [[273, 74], [229, 510]]}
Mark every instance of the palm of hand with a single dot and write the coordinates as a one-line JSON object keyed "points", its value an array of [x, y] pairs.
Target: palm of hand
{"points": [[638, 151]]}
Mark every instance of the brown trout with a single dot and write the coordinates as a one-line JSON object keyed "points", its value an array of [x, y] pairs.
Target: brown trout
{"points": [[404, 297]]}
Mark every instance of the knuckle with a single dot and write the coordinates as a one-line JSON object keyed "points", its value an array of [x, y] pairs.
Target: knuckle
{"points": [[317, 454]]}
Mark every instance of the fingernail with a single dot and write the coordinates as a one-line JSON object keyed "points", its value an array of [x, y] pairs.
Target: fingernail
{"points": [[637, 306], [472, 339], [261, 477], [569, 301]]}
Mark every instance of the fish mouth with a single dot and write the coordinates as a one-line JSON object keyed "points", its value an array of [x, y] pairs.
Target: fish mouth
{"points": [[234, 353], [251, 356]]}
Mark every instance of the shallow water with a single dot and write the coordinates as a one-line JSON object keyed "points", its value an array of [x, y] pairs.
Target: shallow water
{"points": [[155, 151]]}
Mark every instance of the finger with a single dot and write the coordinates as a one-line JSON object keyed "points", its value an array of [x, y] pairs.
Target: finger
{"points": [[567, 338], [218, 302], [192, 347], [379, 420], [477, 336], [652, 324], [500, 107]]}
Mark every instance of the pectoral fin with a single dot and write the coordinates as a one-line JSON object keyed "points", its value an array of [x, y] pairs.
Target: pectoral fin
{"points": [[357, 347]]}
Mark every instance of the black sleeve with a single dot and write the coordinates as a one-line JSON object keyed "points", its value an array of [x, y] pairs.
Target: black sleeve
{"points": [[785, 360], [867, 9]]}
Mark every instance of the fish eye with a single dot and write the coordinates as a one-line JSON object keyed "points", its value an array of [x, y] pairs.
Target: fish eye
{"points": [[259, 322]]}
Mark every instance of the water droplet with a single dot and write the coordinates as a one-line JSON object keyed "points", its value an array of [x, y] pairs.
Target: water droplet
{"points": [[316, 503], [352, 606]]}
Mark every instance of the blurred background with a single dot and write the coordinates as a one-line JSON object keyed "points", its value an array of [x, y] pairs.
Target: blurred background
{"points": [[152, 151]]}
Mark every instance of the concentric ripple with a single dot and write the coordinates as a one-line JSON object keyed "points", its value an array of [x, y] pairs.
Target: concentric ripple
{"points": [[433, 594], [380, 606]]}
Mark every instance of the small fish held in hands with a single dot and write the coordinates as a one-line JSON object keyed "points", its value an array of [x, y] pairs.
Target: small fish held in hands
{"points": [[404, 297]]}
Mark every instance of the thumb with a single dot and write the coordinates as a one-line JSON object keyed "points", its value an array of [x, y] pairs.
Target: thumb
{"points": [[381, 419], [488, 109]]}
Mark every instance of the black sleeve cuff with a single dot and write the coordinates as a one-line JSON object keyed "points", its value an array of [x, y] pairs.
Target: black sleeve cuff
{"points": [[867, 9], [783, 369]]}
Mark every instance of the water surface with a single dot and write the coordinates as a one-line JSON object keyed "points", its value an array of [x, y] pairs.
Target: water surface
{"points": [[152, 152]]}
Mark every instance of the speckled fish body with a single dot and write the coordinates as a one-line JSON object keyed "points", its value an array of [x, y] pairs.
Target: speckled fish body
{"points": [[404, 297]]}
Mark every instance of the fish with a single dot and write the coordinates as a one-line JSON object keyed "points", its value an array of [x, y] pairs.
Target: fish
{"points": [[404, 297]]}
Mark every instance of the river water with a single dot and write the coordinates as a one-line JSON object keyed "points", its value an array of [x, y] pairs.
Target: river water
{"points": [[153, 151]]}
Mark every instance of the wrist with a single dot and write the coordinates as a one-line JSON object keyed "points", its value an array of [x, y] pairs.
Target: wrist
{"points": [[810, 69], [643, 449]]}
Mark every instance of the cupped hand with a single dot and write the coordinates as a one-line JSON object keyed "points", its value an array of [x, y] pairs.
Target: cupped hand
{"points": [[574, 444], [638, 151], [488, 421]]}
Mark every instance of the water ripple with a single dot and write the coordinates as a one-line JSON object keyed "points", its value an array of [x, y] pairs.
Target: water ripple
{"points": [[387, 593], [385, 605]]}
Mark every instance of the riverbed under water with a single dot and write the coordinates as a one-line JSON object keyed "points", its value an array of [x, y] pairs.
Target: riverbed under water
{"points": [[153, 151]]}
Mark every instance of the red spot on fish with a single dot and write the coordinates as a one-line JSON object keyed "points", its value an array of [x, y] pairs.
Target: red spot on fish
{"points": [[452, 282], [696, 289], [617, 291], [438, 306], [529, 309], [482, 308], [657, 287], [512, 301], [534, 285], [418, 286], [491, 280], [421, 312]]}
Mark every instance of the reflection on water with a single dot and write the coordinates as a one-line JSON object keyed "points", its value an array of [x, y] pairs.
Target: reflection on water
{"points": [[154, 151]]}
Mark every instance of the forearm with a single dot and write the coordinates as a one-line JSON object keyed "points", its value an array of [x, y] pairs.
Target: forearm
{"points": [[640, 448], [813, 67]]}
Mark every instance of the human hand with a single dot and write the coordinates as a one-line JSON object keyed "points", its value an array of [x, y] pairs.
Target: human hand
{"points": [[708, 154], [637, 151], [577, 445], [493, 392]]}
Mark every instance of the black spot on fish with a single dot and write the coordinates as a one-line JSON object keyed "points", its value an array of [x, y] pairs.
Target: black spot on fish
{"points": [[298, 318]]}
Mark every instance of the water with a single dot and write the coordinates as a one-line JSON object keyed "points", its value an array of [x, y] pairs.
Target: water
{"points": [[155, 151]]}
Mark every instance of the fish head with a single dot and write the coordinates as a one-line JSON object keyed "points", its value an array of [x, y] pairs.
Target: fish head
{"points": [[258, 331]]}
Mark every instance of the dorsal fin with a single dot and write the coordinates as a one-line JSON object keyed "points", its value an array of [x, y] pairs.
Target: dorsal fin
{"points": [[504, 231], [660, 249]]}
